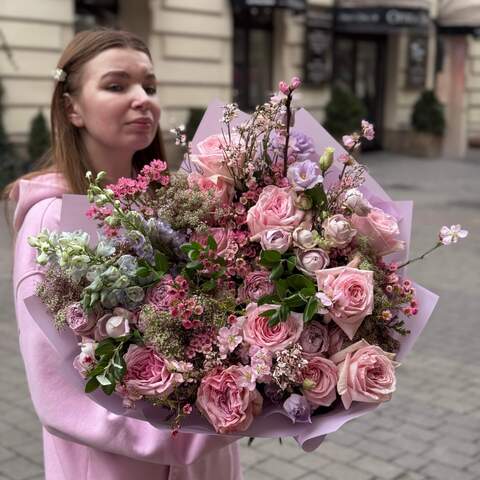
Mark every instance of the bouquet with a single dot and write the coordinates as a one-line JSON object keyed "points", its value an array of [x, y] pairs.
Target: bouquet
{"points": [[260, 290]]}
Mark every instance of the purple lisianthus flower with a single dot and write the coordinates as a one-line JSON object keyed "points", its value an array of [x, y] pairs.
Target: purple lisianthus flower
{"points": [[304, 175], [298, 409], [301, 145]]}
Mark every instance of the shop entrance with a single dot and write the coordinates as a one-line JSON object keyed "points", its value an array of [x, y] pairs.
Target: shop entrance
{"points": [[359, 65]]}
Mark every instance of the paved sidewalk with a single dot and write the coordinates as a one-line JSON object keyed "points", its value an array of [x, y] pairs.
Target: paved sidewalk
{"points": [[430, 430]]}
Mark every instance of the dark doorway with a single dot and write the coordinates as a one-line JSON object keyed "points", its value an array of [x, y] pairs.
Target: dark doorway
{"points": [[252, 55], [359, 65]]}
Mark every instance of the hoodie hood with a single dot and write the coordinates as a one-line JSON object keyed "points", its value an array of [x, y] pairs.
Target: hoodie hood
{"points": [[28, 192]]}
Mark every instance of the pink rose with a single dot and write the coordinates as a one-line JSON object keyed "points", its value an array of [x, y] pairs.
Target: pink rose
{"points": [[275, 209], [255, 285], [320, 378], [381, 229], [228, 406], [85, 360], [147, 373], [276, 239], [366, 374], [351, 291], [162, 294], [79, 321], [338, 230], [222, 237], [115, 324], [336, 339], [221, 188], [256, 330]]}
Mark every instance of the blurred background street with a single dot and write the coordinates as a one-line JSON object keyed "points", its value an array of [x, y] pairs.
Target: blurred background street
{"points": [[430, 430]]}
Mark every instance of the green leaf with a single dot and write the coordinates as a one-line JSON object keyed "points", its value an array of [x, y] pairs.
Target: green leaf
{"points": [[94, 299], [186, 247], [291, 263], [294, 301], [161, 262], [269, 258], [268, 299], [108, 389], [283, 312], [91, 385], [211, 243], [105, 348], [209, 285], [308, 291], [196, 246], [193, 254], [281, 287], [299, 281], [195, 265], [310, 309], [318, 196], [277, 271], [142, 272]]}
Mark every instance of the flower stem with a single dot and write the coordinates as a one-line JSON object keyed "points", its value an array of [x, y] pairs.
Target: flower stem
{"points": [[287, 136], [421, 257]]}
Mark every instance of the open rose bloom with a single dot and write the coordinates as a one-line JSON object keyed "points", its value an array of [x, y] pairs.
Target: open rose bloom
{"points": [[246, 307]]}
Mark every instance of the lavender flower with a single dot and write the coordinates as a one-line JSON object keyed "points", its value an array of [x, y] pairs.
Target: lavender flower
{"points": [[297, 408], [304, 175]]}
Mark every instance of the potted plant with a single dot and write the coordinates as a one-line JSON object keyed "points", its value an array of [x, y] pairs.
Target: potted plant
{"points": [[428, 124]]}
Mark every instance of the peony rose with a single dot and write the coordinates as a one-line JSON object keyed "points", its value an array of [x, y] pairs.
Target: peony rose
{"points": [[274, 209], [256, 330], [162, 294], [336, 339], [276, 239], [221, 188], [366, 374], [227, 406], [220, 235], [315, 338], [255, 285], [115, 324], [355, 202], [320, 378], [351, 291], [381, 229], [304, 238], [147, 373], [338, 230], [79, 321], [309, 261]]}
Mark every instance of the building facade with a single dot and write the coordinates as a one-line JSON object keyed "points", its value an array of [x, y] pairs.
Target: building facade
{"points": [[385, 51]]}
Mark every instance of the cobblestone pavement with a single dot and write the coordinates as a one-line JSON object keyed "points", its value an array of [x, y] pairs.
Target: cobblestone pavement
{"points": [[430, 430]]}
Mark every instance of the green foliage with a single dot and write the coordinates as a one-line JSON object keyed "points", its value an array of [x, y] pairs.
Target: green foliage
{"points": [[344, 112], [428, 115], [194, 119], [38, 138]]}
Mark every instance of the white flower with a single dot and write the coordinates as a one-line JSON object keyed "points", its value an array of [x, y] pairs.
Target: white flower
{"points": [[452, 234]]}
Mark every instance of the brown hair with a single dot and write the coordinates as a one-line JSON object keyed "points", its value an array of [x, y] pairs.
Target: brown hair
{"points": [[67, 154]]}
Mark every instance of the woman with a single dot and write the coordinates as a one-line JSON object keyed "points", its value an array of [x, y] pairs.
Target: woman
{"points": [[104, 116]]}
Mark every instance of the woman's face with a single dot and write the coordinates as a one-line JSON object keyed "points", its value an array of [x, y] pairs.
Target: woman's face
{"points": [[116, 105]]}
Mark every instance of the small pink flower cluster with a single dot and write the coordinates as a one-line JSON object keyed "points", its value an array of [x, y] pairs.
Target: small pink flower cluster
{"points": [[200, 342], [287, 89], [156, 171]]}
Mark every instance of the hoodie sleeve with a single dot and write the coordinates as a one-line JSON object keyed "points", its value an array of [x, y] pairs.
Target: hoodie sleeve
{"points": [[63, 410]]}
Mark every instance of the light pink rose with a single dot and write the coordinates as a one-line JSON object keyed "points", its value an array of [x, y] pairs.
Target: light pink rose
{"points": [[147, 373], [221, 188], [276, 239], [221, 236], [338, 230], [320, 378], [336, 339], [275, 209], [366, 374], [228, 406], [309, 261], [255, 285], [351, 291], [256, 330], [79, 321], [381, 229]]}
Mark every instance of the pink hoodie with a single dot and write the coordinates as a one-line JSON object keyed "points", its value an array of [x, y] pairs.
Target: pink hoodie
{"points": [[83, 441]]}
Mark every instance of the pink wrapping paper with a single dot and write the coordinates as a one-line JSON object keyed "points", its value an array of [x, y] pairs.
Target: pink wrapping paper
{"points": [[273, 422]]}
